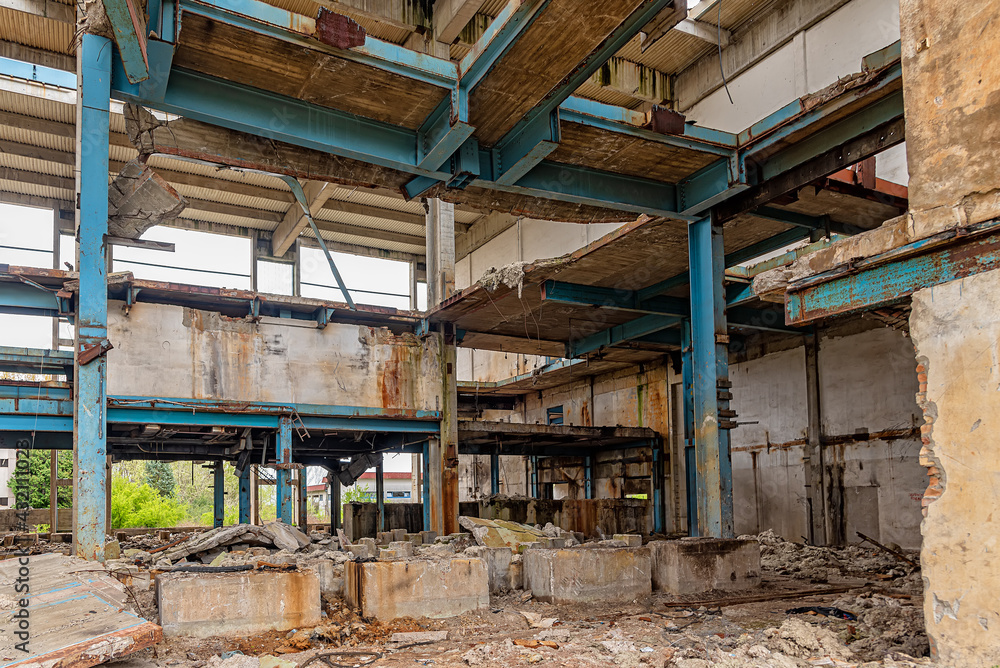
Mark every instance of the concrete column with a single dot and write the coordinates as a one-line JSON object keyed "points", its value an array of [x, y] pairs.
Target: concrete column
{"points": [[90, 398], [812, 456], [245, 495], [219, 496], [413, 286], [710, 376], [285, 499], [380, 492], [440, 251], [425, 492]]}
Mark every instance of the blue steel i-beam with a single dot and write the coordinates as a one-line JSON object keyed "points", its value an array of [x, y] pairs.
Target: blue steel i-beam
{"points": [[494, 474], [90, 405], [588, 478], [659, 525], [690, 472], [302, 490], [245, 495], [380, 491], [534, 477], [219, 494], [710, 374], [284, 460], [425, 488]]}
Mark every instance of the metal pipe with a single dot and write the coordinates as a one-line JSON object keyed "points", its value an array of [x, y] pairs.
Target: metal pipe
{"points": [[425, 492]]}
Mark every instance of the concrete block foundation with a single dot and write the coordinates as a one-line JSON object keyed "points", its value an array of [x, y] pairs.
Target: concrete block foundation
{"points": [[244, 603], [689, 566], [583, 575], [416, 588]]}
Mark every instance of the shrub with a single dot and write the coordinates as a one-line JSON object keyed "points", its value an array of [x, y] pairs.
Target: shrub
{"points": [[139, 505]]}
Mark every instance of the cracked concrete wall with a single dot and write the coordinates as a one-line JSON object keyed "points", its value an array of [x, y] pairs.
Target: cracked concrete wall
{"points": [[951, 89], [956, 332]]}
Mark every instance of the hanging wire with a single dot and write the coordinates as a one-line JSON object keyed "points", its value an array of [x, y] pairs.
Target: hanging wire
{"points": [[722, 71]]}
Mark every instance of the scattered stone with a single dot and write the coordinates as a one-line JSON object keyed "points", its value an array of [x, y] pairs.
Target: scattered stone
{"points": [[630, 539], [287, 537], [112, 550]]}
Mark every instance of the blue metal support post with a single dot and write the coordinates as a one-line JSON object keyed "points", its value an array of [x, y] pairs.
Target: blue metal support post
{"points": [[303, 495], [690, 472], [219, 497], [245, 495], [335, 508], [710, 379], [90, 405], [380, 491], [588, 475], [534, 477], [494, 474], [425, 488], [284, 461]]}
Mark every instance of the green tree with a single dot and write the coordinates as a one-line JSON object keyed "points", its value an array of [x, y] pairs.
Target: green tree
{"points": [[160, 476], [38, 480], [139, 505]]}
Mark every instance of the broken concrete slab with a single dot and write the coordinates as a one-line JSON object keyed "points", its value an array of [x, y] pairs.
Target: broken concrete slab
{"points": [[78, 614], [139, 199], [416, 588], [500, 533], [287, 537], [209, 540], [583, 575], [242, 603], [689, 566], [630, 539]]}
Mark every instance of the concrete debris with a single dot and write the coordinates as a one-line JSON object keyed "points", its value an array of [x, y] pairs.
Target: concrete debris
{"points": [[822, 563], [500, 533], [287, 537], [223, 536], [139, 199], [885, 624], [511, 275]]}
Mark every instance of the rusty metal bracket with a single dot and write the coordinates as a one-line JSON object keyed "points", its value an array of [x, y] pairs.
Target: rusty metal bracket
{"points": [[90, 353], [288, 467]]}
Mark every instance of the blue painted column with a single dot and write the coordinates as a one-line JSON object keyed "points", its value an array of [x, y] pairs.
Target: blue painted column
{"points": [[285, 499], [425, 489], [494, 474], [90, 400], [710, 374], [245, 495], [380, 491], [219, 498], [690, 466], [303, 492], [588, 478], [534, 476]]}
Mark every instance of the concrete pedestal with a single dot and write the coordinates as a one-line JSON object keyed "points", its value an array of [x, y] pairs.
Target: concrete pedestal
{"points": [[697, 565], [415, 588], [243, 603], [581, 575]]}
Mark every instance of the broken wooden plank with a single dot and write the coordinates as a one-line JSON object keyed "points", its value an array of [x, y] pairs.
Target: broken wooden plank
{"points": [[75, 614]]}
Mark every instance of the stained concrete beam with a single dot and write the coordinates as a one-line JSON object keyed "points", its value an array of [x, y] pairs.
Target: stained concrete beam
{"points": [[451, 17]]}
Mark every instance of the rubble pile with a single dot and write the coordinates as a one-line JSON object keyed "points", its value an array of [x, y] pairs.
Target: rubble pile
{"points": [[885, 623], [822, 563]]}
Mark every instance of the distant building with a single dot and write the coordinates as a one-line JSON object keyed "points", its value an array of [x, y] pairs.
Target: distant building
{"points": [[397, 488]]}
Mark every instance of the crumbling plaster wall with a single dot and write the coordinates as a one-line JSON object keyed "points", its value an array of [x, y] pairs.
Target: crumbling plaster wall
{"points": [[868, 421], [811, 60], [172, 351], [957, 336]]}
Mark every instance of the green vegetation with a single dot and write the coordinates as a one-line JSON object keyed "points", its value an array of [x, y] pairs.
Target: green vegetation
{"points": [[160, 476], [39, 477], [139, 505]]}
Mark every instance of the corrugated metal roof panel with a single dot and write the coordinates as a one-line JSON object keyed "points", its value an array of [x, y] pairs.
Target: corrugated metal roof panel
{"points": [[37, 190], [22, 136], [608, 95], [377, 198], [226, 219], [35, 165], [36, 31], [369, 242], [37, 107], [211, 195]]}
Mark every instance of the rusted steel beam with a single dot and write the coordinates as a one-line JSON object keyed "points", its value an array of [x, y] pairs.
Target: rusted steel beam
{"points": [[90, 405]]}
